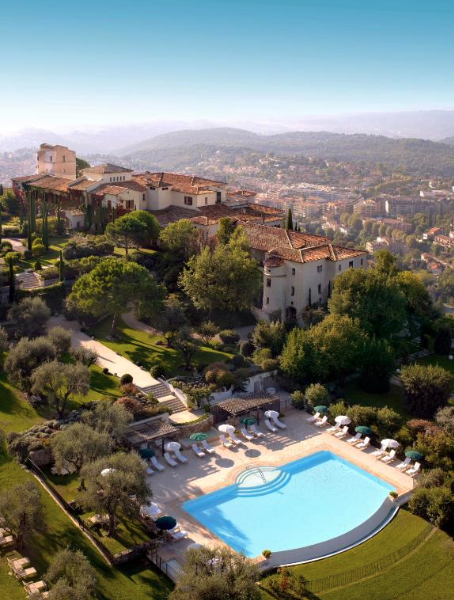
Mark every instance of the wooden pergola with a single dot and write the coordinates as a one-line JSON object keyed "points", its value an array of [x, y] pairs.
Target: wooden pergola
{"points": [[150, 432], [240, 406]]}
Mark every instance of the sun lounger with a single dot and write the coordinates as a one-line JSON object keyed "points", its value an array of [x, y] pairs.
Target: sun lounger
{"points": [[156, 464], [27, 573], [6, 541], [364, 444], [279, 423], [355, 439], [313, 418], [389, 457], [404, 465], [322, 423], [169, 460], [225, 442], [333, 429], [150, 471], [342, 433], [245, 433], [415, 469], [178, 534], [197, 451], [256, 432], [378, 453], [180, 457], [207, 447], [235, 439], [272, 428]]}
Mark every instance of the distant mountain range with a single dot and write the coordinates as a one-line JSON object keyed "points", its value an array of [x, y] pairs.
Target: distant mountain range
{"points": [[432, 125], [411, 155]]}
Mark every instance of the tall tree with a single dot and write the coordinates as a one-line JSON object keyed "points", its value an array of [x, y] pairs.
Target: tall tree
{"points": [[61, 267], [427, 389], [226, 278], [180, 239], [127, 231], [112, 286], [152, 227], [79, 444], [25, 357], [60, 381], [112, 419], [116, 484], [289, 221], [11, 259], [31, 316], [225, 230], [72, 576], [21, 509]]}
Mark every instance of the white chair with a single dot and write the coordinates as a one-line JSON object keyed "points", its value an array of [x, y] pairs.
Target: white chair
{"points": [[197, 451], [225, 442], [404, 465], [342, 433], [414, 470], [156, 464], [270, 427], [323, 422], [235, 439], [378, 453], [180, 457], [256, 432], [364, 444], [178, 534], [150, 471], [245, 433], [313, 418], [333, 429], [355, 439], [169, 460], [389, 457], [279, 423], [207, 447]]}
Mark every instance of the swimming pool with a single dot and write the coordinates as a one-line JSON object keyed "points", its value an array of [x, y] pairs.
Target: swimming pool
{"points": [[303, 503]]}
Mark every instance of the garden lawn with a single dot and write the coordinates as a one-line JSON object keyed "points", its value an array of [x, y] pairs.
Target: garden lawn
{"points": [[48, 258], [138, 582], [16, 414], [139, 347], [425, 573], [392, 399]]}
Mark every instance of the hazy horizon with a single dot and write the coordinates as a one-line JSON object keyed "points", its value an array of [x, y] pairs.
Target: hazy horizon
{"points": [[222, 62]]}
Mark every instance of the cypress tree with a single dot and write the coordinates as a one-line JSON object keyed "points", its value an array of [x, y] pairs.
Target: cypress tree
{"points": [[1, 230], [289, 219], [12, 281], [29, 233], [61, 266], [45, 226]]}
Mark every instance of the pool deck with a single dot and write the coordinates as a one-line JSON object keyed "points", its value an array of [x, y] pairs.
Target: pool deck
{"points": [[172, 487]]}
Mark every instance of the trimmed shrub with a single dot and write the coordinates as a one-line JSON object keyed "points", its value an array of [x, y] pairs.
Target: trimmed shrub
{"points": [[427, 389], [27, 254], [270, 364], [246, 349], [318, 395], [299, 400], [53, 295], [229, 336], [157, 371], [362, 415], [238, 361], [126, 378]]}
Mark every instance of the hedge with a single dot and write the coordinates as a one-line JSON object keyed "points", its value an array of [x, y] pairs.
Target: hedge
{"points": [[53, 295]]}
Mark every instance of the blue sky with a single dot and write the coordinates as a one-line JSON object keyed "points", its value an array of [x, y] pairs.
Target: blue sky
{"points": [[68, 64]]}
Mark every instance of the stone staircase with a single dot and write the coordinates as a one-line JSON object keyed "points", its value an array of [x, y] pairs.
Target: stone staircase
{"points": [[28, 281], [164, 396]]}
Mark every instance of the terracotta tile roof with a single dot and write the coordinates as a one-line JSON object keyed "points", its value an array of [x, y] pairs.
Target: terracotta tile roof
{"points": [[110, 188], [50, 182], [242, 193], [171, 214], [27, 178], [106, 168], [82, 185], [295, 246], [189, 184]]}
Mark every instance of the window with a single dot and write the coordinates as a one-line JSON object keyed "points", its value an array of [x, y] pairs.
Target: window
{"points": [[64, 158], [206, 201], [267, 300], [152, 188], [292, 291], [293, 271], [361, 262], [340, 268], [268, 283], [166, 188], [218, 197], [129, 204], [188, 200], [319, 268], [143, 197], [319, 288], [350, 264]]}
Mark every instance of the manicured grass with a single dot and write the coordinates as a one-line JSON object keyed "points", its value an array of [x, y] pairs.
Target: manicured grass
{"points": [[139, 581], [48, 258], [16, 414], [139, 346], [425, 573], [392, 399]]}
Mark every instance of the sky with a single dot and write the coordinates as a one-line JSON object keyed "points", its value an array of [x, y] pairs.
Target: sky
{"points": [[69, 65]]}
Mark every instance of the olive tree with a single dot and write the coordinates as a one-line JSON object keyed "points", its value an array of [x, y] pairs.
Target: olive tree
{"points": [[31, 316], [79, 444], [61, 339], [25, 357], [21, 509], [60, 381], [107, 418], [72, 576]]}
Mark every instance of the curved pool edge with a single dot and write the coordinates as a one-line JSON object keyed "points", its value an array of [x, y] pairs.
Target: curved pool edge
{"points": [[342, 543]]}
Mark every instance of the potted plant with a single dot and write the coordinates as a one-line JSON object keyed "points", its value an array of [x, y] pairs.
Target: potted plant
{"points": [[393, 495], [266, 554]]}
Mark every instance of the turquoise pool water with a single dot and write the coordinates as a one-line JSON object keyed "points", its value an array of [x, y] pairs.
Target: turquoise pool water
{"points": [[304, 502]]}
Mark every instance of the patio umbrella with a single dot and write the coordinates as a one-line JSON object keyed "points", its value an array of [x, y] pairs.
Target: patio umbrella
{"points": [[106, 472], [248, 421], [342, 420], [166, 523], [198, 437], [146, 452], [321, 409], [172, 446], [226, 428], [363, 430], [390, 443], [414, 454], [271, 414]]}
